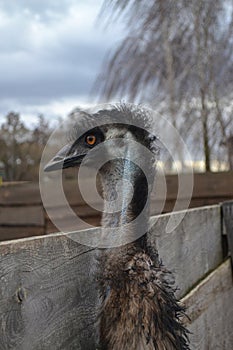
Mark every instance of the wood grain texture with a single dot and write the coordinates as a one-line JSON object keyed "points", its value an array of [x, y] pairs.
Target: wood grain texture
{"points": [[193, 248], [47, 295], [48, 292], [211, 312]]}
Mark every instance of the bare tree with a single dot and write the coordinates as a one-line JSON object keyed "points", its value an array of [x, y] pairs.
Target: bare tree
{"points": [[176, 55]]}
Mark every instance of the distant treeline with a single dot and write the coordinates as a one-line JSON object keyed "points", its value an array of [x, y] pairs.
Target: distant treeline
{"points": [[21, 147]]}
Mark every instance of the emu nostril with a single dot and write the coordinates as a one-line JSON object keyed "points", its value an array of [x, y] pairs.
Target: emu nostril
{"points": [[57, 158], [21, 295]]}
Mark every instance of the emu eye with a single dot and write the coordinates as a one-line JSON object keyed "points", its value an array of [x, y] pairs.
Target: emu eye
{"points": [[91, 140]]}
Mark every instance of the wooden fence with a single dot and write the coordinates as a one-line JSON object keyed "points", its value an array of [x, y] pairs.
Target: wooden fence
{"points": [[22, 213], [48, 294]]}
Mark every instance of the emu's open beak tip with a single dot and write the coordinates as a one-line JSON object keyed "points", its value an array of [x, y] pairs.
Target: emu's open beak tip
{"points": [[51, 166]]}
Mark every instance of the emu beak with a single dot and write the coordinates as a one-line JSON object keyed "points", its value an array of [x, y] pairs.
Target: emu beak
{"points": [[65, 158]]}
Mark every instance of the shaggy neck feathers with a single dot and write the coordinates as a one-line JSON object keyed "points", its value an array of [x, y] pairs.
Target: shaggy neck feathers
{"points": [[139, 310]]}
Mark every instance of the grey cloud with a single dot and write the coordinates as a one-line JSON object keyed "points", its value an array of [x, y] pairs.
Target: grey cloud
{"points": [[53, 64], [70, 71]]}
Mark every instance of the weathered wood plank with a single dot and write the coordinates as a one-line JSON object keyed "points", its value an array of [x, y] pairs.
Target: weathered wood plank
{"points": [[94, 221], [193, 248], [47, 294], [83, 211], [205, 185], [21, 216], [62, 219], [208, 189], [211, 185], [194, 203], [210, 311], [7, 233], [93, 217], [25, 193]]}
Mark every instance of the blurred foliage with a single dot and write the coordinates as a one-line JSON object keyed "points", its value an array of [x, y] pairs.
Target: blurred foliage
{"points": [[21, 148]]}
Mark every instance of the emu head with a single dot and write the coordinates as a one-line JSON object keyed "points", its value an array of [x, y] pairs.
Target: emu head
{"points": [[120, 145], [111, 131]]}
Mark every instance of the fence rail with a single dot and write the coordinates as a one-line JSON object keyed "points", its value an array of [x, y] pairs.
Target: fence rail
{"points": [[22, 213], [48, 294]]}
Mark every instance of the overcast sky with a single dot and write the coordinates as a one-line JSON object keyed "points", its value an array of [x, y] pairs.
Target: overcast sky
{"points": [[50, 54]]}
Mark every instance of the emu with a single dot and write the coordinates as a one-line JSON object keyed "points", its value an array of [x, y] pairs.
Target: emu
{"points": [[138, 309]]}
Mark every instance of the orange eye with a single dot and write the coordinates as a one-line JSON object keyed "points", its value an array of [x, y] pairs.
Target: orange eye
{"points": [[91, 140]]}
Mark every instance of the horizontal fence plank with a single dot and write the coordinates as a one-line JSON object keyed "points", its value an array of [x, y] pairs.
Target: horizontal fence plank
{"points": [[210, 188], [82, 225], [209, 307], [210, 185], [47, 294], [206, 185], [82, 211], [25, 193], [7, 233], [20, 216], [193, 248], [190, 251]]}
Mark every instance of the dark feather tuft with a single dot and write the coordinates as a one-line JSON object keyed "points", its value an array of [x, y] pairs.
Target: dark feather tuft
{"points": [[139, 308]]}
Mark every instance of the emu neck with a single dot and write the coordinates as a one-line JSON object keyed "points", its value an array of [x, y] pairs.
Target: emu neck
{"points": [[125, 194], [126, 199], [138, 309]]}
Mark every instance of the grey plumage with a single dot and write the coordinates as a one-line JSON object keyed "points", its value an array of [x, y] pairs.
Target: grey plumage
{"points": [[139, 309]]}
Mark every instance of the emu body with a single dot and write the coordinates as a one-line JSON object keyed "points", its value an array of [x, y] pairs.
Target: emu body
{"points": [[138, 308]]}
